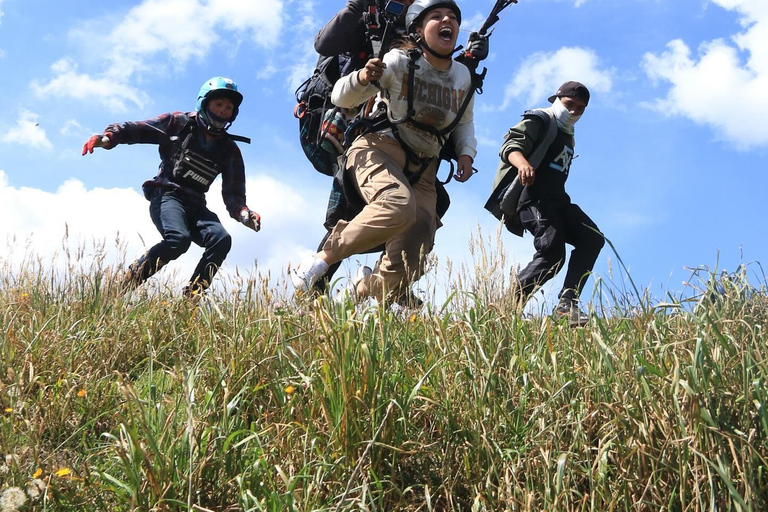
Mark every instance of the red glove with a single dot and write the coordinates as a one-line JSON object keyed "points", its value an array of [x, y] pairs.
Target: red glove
{"points": [[250, 218], [97, 141]]}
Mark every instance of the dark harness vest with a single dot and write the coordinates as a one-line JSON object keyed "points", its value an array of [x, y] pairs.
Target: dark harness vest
{"points": [[194, 167]]}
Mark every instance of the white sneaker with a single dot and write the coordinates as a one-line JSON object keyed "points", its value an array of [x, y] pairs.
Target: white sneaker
{"points": [[309, 271], [349, 292]]}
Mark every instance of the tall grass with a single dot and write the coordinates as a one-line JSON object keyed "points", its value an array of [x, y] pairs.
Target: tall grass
{"points": [[246, 400]]}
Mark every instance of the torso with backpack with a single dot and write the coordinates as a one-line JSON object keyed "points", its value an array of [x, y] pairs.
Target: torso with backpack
{"points": [[187, 163], [551, 155], [345, 44]]}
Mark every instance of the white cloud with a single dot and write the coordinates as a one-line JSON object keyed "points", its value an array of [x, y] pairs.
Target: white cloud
{"points": [[542, 73], [48, 224], [720, 87], [109, 91], [473, 24], [78, 220], [27, 132], [304, 57], [157, 32], [72, 127], [42, 219]]}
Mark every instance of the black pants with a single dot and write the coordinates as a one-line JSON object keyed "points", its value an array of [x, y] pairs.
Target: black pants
{"points": [[182, 222], [552, 228]]}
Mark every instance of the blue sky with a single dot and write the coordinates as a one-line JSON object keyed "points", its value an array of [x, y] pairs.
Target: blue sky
{"points": [[671, 150]]}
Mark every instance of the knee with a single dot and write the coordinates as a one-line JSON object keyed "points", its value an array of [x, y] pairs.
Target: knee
{"points": [[551, 245], [403, 211], [593, 242], [556, 257], [221, 242], [177, 244]]}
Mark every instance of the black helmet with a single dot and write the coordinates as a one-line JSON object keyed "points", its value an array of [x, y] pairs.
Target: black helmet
{"points": [[419, 8]]}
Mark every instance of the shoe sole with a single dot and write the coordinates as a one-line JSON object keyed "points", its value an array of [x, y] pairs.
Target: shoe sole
{"points": [[561, 318]]}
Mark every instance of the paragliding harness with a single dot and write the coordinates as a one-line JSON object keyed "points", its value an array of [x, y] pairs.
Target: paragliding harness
{"points": [[381, 120], [345, 202], [321, 123], [190, 168]]}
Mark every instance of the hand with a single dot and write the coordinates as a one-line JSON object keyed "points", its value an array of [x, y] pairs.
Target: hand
{"points": [[477, 46], [250, 219], [526, 174], [97, 141], [464, 170], [372, 71]]}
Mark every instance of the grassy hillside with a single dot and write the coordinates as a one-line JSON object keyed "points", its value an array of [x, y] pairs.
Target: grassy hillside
{"points": [[152, 402]]}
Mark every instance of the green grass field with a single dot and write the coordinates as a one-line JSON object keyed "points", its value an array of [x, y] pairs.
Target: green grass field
{"points": [[152, 402]]}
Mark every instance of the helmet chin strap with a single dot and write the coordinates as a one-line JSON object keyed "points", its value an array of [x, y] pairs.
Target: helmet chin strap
{"points": [[422, 43], [213, 123]]}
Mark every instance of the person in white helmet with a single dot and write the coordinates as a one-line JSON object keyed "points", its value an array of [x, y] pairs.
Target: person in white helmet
{"points": [[422, 96]]}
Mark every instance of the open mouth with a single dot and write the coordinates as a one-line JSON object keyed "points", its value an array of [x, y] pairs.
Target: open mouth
{"points": [[446, 34]]}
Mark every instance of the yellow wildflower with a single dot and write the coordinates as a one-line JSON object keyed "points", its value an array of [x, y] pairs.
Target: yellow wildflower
{"points": [[290, 389], [38, 473], [63, 472], [81, 393]]}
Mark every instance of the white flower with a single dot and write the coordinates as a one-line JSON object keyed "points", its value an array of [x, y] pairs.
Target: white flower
{"points": [[12, 499], [35, 488]]}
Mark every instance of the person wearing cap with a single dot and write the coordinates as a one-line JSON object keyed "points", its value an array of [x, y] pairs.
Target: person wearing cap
{"points": [[529, 194], [194, 148]]}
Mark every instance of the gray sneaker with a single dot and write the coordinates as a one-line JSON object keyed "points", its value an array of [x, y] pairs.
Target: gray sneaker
{"points": [[349, 292], [309, 271], [569, 309]]}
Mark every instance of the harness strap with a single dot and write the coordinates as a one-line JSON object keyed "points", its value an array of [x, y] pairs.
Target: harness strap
{"points": [[239, 138], [380, 122]]}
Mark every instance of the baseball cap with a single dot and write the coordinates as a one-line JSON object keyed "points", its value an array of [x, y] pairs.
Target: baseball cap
{"points": [[572, 89]]}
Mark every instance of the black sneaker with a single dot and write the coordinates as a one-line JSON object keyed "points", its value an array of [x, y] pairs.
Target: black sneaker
{"points": [[569, 309], [194, 290]]}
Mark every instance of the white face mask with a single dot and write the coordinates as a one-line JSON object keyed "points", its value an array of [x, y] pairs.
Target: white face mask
{"points": [[565, 120]]}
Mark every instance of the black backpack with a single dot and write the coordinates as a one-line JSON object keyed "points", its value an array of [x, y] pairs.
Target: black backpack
{"points": [[317, 132]]}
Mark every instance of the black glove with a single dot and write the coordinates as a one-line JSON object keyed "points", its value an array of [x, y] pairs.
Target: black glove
{"points": [[250, 218], [477, 46]]}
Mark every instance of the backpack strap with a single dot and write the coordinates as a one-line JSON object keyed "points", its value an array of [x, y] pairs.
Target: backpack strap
{"points": [[542, 146], [506, 195], [238, 138]]}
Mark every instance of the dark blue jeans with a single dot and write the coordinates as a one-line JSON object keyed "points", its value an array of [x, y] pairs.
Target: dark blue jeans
{"points": [[181, 222]]}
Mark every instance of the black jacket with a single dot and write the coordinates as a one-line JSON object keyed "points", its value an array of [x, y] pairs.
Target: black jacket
{"points": [[345, 32]]}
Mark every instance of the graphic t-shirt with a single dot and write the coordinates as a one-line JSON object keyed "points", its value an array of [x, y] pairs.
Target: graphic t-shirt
{"points": [[437, 98]]}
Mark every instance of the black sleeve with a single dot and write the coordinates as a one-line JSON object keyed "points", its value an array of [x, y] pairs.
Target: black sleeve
{"points": [[233, 182], [345, 33]]}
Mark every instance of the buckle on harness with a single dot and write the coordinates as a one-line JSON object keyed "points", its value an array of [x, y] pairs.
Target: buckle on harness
{"points": [[300, 109]]}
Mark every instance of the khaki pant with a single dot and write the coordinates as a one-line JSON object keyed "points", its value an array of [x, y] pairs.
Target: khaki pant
{"points": [[400, 215]]}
